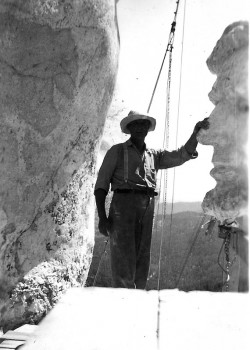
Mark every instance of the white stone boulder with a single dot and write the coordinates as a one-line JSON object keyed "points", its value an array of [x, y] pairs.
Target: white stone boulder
{"points": [[228, 131], [58, 64]]}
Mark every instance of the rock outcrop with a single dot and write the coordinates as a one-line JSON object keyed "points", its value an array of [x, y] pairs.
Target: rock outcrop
{"points": [[228, 132], [229, 124], [58, 64]]}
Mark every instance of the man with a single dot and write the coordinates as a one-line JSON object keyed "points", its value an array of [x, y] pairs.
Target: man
{"points": [[131, 170]]}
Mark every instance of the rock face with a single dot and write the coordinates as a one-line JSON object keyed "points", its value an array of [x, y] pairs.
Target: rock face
{"points": [[228, 134], [58, 64], [229, 124]]}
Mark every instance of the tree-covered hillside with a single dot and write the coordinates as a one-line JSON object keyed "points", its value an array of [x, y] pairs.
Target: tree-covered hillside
{"points": [[188, 256], [201, 271]]}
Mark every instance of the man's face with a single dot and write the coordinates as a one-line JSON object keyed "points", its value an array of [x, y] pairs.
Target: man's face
{"points": [[139, 128]]}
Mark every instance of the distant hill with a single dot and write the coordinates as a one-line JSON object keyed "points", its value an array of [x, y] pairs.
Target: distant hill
{"points": [[181, 207]]}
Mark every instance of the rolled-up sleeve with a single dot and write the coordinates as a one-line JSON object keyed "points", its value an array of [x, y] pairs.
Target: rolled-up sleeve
{"points": [[169, 159], [107, 169]]}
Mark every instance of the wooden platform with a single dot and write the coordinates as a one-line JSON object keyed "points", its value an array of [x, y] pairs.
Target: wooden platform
{"points": [[15, 339], [122, 319]]}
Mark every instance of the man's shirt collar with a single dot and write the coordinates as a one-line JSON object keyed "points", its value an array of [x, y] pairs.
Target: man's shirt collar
{"points": [[130, 143]]}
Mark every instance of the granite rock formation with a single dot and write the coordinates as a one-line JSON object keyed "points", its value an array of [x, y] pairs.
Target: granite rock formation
{"points": [[58, 64], [229, 124], [228, 134]]}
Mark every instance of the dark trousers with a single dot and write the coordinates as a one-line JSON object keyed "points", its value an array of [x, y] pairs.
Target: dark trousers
{"points": [[131, 216]]}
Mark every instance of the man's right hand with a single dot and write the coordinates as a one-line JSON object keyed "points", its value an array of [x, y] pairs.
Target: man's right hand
{"points": [[104, 226], [104, 223]]}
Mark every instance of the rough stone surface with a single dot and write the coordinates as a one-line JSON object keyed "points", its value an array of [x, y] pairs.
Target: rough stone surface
{"points": [[112, 133], [228, 134], [58, 63], [229, 125]]}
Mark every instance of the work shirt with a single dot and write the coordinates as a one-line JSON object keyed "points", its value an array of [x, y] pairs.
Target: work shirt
{"points": [[142, 168]]}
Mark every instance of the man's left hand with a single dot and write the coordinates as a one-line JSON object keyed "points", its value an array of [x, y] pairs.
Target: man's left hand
{"points": [[203, 124]]}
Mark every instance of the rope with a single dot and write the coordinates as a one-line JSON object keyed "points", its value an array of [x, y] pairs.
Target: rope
{"points": [[100, 262], [190, 250], [218, 259], [169, 48], [176, 138], [166, 128], [165, 145], [165, 141]]}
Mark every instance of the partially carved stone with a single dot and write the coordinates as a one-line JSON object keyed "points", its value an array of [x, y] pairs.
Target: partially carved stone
{"points": [[58, 63], [228, 134], [228, 124]]}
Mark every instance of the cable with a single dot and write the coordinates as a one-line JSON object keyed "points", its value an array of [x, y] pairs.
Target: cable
{"points": [[166, 140], [169, 48], [166, 128], [190, 250], [100, 262], [165, 145], [218, 259], [177, 130]]}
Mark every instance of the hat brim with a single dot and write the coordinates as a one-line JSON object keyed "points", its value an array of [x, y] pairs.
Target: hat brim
{"points": [[129, 119]]}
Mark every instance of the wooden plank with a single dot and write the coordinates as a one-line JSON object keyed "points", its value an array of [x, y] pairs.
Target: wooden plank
{"points": [[12, 335], [26, 328], [124, 319], [14, 339], [11, 344], [99, 318]]}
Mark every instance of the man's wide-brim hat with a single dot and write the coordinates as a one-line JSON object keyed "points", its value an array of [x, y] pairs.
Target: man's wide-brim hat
{"points": [[132, 116]]}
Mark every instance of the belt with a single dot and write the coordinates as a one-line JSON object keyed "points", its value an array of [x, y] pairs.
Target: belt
{"points": [[149, 192]]}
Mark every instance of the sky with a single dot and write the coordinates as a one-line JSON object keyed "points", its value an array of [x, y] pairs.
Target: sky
{"points": [[144, 27]]}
